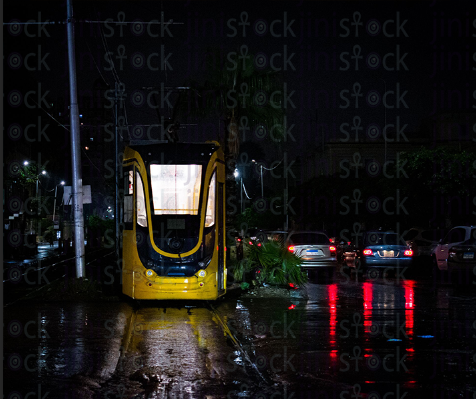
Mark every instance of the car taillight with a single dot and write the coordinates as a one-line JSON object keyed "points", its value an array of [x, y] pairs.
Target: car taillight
{"points": [[291, 248], [408, 252], [367, 252], [332, 248]]}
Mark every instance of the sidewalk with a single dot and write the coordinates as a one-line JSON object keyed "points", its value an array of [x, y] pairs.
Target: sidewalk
{"points": [[45, 252]]}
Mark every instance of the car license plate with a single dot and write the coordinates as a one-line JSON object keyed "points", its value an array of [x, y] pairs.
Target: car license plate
{"points": [[312, 251], [388, 254], [468, 255]]}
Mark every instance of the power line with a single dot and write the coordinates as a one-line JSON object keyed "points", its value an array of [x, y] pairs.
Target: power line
{"points": [[170, 22]]}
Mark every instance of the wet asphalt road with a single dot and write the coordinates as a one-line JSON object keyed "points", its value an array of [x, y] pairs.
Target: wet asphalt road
{"points": [[354, 337]]}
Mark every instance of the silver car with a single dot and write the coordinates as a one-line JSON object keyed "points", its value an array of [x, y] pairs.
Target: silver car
{"points": [[314, 248]]}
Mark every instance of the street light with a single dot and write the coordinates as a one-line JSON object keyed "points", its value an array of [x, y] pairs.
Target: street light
{"points": [[241, 191], [43, 172]]}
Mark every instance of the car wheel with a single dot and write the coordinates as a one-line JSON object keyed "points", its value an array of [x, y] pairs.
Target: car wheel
{"points": [[437, 274]]}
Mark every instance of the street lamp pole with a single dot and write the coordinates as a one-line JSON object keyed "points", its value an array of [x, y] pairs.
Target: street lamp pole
{"points": [[54, 206], [262, 192], [241, 198], [261, 176]]}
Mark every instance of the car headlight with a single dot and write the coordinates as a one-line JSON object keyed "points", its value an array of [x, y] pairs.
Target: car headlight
{"points": [[202, 273], [149, 273]]}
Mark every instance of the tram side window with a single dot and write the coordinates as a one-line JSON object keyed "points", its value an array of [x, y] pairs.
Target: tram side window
{"points": [[140, 202], [128, 199], [210, 217]]}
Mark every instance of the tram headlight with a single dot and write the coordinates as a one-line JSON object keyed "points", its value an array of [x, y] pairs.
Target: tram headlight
{"points": [[202, 273], [149, 273]]}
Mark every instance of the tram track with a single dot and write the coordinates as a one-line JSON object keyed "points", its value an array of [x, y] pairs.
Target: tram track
{"points": [[262, 380], [15, 284]]}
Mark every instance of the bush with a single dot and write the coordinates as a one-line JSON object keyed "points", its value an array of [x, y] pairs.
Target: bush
{"points": [[275, 264], [240, 268]]}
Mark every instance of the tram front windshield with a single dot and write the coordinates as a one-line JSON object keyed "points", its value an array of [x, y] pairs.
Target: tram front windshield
{"points": [[176, 189]]}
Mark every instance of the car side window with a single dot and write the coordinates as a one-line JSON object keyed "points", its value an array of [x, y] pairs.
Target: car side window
{"points": [[455, 235]]}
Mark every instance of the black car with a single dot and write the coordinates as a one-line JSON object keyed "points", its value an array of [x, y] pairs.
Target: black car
{"points": [[462, 261]]}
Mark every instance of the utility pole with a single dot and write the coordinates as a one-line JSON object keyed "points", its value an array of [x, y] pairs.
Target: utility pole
{"points": [[77, 186]]}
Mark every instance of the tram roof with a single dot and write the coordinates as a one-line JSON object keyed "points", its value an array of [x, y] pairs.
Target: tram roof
{"points": [[181, 151]]}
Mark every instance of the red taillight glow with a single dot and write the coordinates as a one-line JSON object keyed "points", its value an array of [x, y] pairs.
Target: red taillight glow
{"points": [[367, 252], [332, 248], [408, 252], [291, 248], [293, 306]]}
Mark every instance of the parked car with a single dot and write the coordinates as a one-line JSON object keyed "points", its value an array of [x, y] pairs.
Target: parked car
{"points": [[315, 250], [462, 260], [382, 249], [346, 252], [278, 236], [423, 241], [457, 235]]}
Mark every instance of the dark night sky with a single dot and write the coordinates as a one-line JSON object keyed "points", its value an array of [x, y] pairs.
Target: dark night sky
{"points": [[428, 31]]}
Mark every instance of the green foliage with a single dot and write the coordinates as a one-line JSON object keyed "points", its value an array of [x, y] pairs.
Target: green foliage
{"points": [[251, 218], [244, 285], [209, 93], [29, 174], [442, 170], [239, 268], [50, 234], [97, 223], [276, 265]]}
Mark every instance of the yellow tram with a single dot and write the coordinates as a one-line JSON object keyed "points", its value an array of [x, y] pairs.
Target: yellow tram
{"points": [[173, 221]]}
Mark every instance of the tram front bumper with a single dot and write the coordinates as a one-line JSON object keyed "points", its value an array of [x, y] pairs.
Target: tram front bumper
{"points": [[175, 287]]}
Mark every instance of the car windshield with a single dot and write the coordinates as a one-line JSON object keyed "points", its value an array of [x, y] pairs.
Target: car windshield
{"points": [[309, 238], [382, 239]]}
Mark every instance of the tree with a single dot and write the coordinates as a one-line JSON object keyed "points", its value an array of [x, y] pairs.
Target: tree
{"points": [[242, 96], [439, 182]]}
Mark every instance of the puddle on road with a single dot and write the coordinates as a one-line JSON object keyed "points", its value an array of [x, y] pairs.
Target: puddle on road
{"points": [[369, 331], [377, 333]]}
